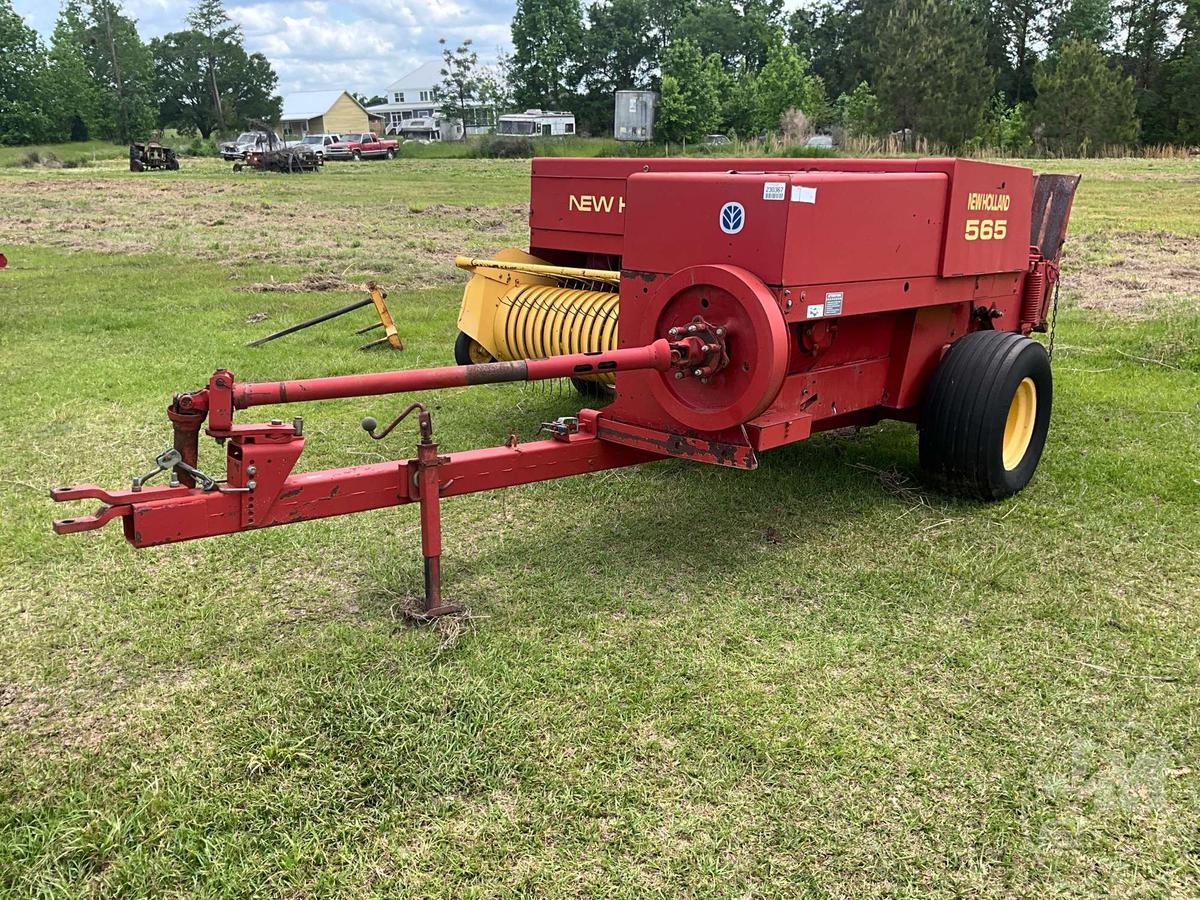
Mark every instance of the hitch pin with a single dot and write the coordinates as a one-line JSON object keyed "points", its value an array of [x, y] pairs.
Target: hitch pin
{"points": [[561, 427]]}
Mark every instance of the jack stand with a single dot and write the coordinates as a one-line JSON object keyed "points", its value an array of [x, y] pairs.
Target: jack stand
{"points": [[429, 495], [427, 488]]}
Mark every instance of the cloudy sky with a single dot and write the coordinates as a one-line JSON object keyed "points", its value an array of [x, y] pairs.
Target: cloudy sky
{"points": [[361, 45]]}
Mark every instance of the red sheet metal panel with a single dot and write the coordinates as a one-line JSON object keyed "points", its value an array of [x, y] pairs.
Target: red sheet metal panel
{"points": [[787, 228], [987, 219], [578, 204], [848, 226]]}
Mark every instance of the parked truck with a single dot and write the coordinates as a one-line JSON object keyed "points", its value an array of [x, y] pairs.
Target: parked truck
{"points": [[363, 145]]}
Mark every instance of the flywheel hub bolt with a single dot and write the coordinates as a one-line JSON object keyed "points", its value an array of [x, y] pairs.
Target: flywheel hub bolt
{"points": [[679, 375], [691, 329]]}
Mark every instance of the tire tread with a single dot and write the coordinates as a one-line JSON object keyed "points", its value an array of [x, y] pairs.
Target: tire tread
{"points": [[966, 402]]}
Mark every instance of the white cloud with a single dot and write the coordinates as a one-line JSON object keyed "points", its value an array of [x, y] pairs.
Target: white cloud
{"points": [[360, 45]]}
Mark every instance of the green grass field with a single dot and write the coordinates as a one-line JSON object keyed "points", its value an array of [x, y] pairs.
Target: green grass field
{"points": [[817, 679]]}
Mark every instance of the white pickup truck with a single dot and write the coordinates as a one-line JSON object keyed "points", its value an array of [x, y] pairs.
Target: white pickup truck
{"points": [[318, 143]]}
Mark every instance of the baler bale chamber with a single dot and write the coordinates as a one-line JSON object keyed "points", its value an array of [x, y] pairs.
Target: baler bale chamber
{"points": [[727, 307]]}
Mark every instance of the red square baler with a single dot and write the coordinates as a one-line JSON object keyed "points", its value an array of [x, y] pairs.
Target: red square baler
{"points": [[723, 307]]}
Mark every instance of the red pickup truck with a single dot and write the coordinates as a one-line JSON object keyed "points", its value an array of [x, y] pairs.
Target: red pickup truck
{"points": [[364, 145]]}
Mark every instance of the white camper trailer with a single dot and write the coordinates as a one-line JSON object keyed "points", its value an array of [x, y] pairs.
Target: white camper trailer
{"points": [[537, 122]]}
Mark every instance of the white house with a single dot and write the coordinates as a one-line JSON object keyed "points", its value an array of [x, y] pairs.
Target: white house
{"points": [[415, 96]]}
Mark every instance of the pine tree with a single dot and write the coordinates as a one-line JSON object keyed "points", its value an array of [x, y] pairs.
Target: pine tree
{"points": [[121, 69], [72, 96], [546, 37], [1082, 20], [933, 76], [23, 81], [1083, 103], [1183, 79], [1148, 29], [1023, 24], [209, 19]]}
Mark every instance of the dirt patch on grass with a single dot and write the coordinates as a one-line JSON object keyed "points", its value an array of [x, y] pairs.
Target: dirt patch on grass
{"points": [[1133, 275], [74, 717], [313, 282]]}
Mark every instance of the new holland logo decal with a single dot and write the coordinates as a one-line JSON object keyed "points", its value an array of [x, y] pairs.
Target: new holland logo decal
{"points": [[733, 217]]}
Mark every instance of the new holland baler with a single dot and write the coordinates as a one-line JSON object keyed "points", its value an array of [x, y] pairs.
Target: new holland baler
{"points": [[727, 307]]}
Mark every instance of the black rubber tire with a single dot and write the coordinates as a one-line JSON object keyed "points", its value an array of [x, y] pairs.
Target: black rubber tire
{"points": [[391, 154], [357, 155], [462, 349], [594, 390], [135, 165], [965, 409]]}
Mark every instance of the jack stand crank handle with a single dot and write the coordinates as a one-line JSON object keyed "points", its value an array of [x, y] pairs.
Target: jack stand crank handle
{"points": [[369, 424]]}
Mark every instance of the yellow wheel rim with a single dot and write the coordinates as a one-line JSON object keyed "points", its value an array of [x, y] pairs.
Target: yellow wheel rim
{"points": [[1018, 428], [478, 354]]}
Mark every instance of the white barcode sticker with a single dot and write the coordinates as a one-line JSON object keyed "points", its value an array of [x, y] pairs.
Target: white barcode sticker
{"points": [[775, 190]]}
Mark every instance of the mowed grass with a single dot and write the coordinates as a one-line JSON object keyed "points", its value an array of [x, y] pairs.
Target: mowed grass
{"points": [[818, 679]]}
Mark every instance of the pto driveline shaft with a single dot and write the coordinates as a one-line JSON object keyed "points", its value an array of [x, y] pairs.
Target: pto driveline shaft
{"points": [[657, 355]]}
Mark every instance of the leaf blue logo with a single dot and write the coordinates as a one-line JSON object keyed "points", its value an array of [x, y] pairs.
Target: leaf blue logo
{"points": [[733, 217]]}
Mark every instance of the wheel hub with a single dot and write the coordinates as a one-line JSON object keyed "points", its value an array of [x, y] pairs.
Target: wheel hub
{"points": [[1018, 428]]}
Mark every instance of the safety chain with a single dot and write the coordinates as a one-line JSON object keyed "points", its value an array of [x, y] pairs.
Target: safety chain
{"points": [[1053, 319]]}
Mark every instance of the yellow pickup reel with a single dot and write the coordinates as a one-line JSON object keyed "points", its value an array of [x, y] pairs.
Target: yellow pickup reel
{"points": [[516, 306]]}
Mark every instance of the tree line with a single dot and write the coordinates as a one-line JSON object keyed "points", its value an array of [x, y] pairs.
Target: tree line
{"points": [[1062, 76], [98, 79], [1059, 76]]}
